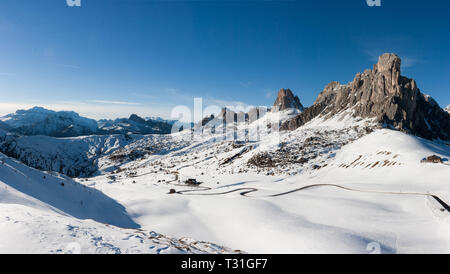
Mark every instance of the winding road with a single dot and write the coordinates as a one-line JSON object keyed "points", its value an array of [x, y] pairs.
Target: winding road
{"points": [[244, 191], [247, 190]]}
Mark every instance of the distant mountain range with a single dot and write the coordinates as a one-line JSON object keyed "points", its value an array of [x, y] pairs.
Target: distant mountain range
{"points": [[381, 94], [41, 121], [134, 124]]}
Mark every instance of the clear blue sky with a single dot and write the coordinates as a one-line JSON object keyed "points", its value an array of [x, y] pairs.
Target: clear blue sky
{"points": [[109, 58]]}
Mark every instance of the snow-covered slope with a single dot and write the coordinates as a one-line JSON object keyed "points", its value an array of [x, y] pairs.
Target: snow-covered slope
{"points": [[53, 192], [267, 153], [84, 156], [360, 187], [75, 157], [340, 185], [48, 213], [28, 230]]}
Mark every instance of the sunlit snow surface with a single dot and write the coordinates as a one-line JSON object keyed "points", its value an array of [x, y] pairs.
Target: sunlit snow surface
{"points": [[365, 189]]}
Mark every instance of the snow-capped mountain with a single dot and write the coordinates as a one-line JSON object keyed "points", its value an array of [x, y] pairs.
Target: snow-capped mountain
{"points": [[134, 124], [41, 121], [159, 119], [26, 117]]}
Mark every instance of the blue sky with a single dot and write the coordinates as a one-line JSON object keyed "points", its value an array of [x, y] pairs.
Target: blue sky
{"points": [[111, 58]]}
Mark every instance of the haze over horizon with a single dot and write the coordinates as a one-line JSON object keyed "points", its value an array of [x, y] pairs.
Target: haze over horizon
{"points": [[146, 57]]}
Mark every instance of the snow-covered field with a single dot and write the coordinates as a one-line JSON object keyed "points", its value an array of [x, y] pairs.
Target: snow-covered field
{"points": [[333, 187], [49, 213]]}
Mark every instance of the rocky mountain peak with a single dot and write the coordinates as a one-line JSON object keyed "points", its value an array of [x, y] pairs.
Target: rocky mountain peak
{"points": [[388, 70], [286, 100], [137, 119], [385, 95], [388, 62]]}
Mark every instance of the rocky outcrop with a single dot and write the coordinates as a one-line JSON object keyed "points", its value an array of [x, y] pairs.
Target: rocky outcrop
{"points": [[307, 115], [286, 100], [383, 94], [447, 109]]}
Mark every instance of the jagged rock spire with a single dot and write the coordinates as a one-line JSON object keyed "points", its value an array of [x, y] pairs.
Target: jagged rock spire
{"points": [[383, 94], [286, 100]]}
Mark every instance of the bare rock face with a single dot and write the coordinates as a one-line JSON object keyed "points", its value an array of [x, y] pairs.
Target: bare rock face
{"points": [[286, 100], [447, 109], [381, 93], [307, 115]]}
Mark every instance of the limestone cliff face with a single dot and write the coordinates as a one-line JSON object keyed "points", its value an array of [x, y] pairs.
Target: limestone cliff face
{"points": [[381, 93]]}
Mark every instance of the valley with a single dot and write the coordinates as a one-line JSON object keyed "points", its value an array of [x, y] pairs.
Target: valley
{"points": [[340, 176]]}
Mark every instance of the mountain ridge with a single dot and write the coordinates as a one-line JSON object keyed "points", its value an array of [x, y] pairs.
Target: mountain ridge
{"points": [[384, 95], [41, 121]]}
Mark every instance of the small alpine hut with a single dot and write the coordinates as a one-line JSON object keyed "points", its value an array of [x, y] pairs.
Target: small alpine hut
{"points": [[432, 159]]}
